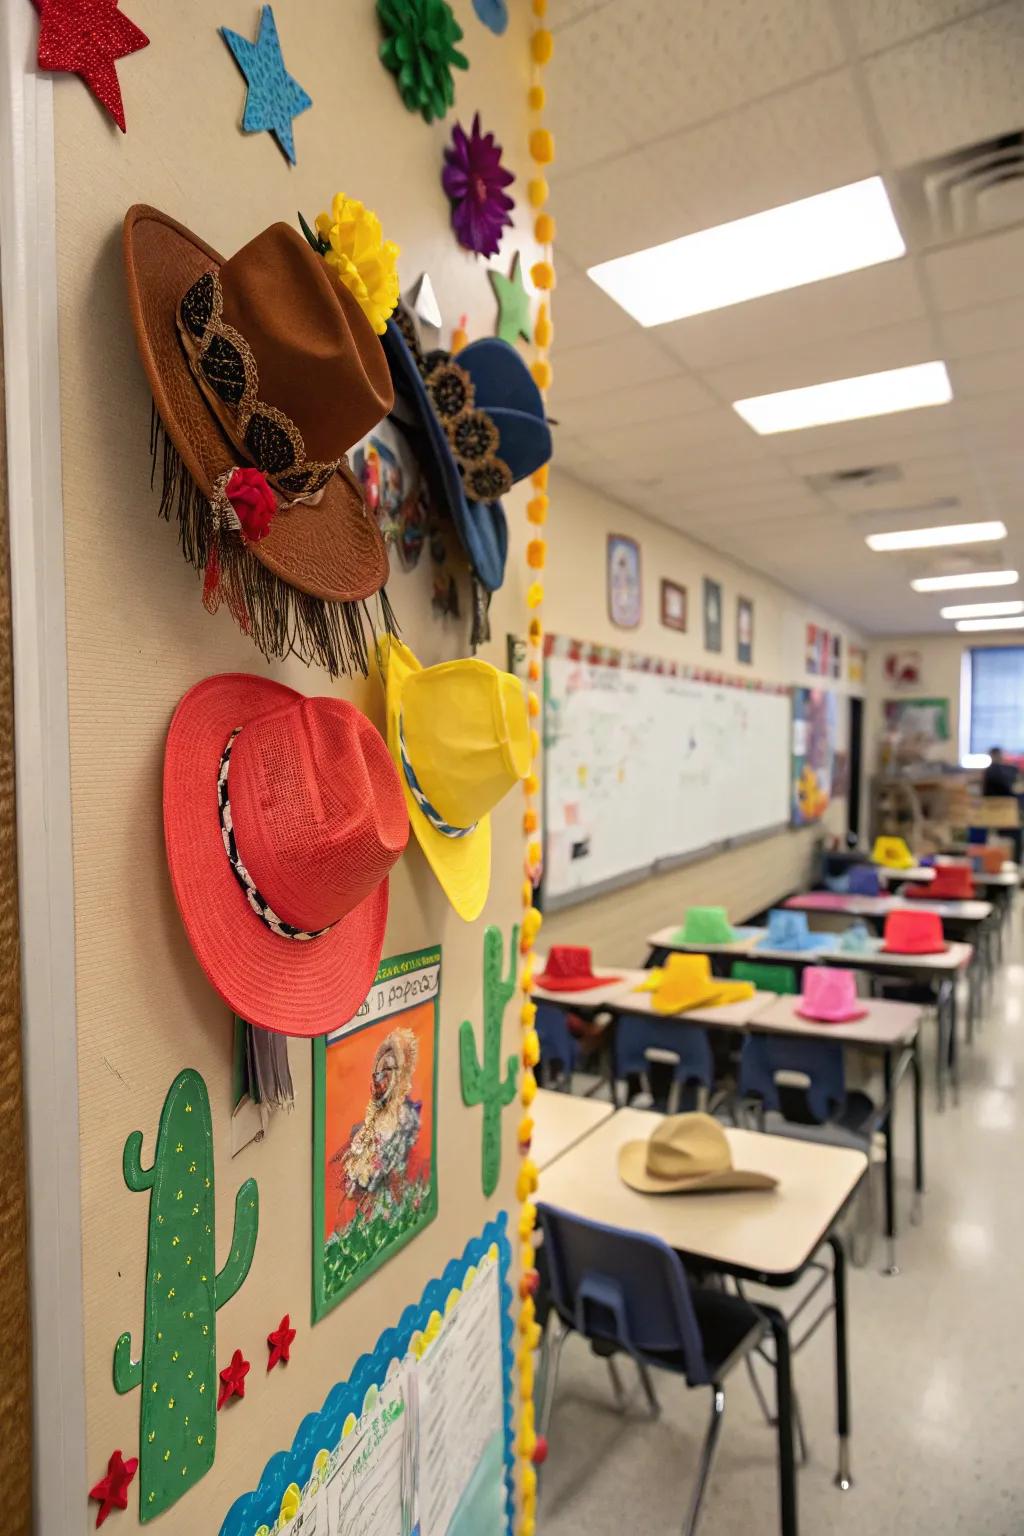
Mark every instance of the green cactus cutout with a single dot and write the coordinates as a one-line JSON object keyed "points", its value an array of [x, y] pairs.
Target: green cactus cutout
{"points": [[178, 1368], [481, 1079]]}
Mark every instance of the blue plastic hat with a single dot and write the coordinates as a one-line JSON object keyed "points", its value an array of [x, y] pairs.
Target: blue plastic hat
{"points": [[788, 930], [864, 880], [505, 390]]}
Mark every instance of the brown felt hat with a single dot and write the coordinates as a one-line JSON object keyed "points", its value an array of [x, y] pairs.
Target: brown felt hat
{"points": [[685, 1154], [264, 361]]}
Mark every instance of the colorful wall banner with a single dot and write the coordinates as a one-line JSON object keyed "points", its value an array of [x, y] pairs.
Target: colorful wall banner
{"points": [[815, 733]]}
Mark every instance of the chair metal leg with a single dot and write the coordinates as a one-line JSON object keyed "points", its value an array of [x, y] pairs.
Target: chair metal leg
{"points": [[618, 1390], [769, 1417], [649, 1392], [554, 1342], [707, 1456]]}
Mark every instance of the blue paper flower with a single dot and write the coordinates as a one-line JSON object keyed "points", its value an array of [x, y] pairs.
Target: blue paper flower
{"points": [[493, 14]]}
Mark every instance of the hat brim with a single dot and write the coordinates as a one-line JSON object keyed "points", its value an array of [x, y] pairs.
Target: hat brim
{"points": [[928, 949], [481, 526], [633, 1171], [462, 865], [333, 550], [281, 984], [572, 983], [832, 1018]]}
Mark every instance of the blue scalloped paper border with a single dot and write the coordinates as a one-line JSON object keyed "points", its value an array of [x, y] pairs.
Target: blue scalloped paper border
{"points": [[323, 1430]]}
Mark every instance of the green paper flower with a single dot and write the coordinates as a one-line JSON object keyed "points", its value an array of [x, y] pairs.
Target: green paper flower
{"points": [[419, 50]]}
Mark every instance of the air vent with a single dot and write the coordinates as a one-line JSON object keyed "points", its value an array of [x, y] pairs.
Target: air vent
{"points": [[864, 477], [970, 192]]}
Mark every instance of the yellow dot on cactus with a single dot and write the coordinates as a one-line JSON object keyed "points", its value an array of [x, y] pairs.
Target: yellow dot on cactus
{"points": [[167, 1455], [175, 1354], [160, 1221], [151, 1436], [170, 1402], [206, 1183], [186, 1421], [175, 1240], [170, 1294], [202, 1387], [184, 1471], [542, 373], [203, 1279], [158, 1276], [537, 508], [536, 98], [542, 274], [537, 190], [195, 1210], [542, 46], [544, 230], [191, 1167], [180, 1147], [199, 1439], [536, 554], [206, 1329], [151, 1498], [180, 1195], [155, 1387], [188, 1109], [189, 1374], [535, 595], [188, 1258], [159, 1335]]}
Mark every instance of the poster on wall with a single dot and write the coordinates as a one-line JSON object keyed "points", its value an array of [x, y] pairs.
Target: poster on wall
{"points": [[712, 615], [815, 731], [918, 725], [418, 1440], [902, 669], [837, 656], [673, 606], [625, 598], [744, 630], [375, 1127], [856, 661]]}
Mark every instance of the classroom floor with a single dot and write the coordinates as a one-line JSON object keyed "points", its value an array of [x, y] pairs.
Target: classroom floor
{"points": [[935, 1359]]}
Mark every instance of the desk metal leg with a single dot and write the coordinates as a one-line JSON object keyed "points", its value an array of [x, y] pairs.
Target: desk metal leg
{"points": [[941, 1047], [954, 1061], [843, 1477], [892, 1268], [918, 1128], [788, 1524]]}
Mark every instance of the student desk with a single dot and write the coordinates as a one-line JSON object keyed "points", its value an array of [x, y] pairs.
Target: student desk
{"points": [[560, 1121], [919, 873], [752, 1235], [589, 1001]]}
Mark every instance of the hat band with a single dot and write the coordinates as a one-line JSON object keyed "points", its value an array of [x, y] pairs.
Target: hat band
{"points": [[435, 818], [259, 904]]}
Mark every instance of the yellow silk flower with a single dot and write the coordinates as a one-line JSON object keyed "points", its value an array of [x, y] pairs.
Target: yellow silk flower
{"points": [[362, 258]]}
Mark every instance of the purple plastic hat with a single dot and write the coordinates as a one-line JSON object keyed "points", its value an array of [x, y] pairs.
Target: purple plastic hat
{"points": [[830, 996]]}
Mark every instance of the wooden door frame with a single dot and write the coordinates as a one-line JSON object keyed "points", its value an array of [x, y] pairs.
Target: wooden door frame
{"points": [[28, 281]]}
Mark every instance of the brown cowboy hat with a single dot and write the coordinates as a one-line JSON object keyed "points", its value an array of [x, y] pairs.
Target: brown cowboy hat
{"points": [[685, 1154], [263, 362]]}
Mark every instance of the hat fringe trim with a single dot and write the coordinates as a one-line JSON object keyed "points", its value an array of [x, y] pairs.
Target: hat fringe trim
{"points": [[281, 620]]}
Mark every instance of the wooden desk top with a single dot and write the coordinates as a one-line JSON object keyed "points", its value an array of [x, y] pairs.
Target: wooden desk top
{"points": [[728, 1016], [767, 1234], [665, 939], [885, 1025], [561, 1120], [920, 873], [881, 906], [589, 997], [955, 957]]}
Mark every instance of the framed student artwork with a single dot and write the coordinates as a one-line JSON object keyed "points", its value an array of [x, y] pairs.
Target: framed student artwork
{"points": [[673, 606], [375, 1128], [712, 615], [625, 595], [744, 630]]}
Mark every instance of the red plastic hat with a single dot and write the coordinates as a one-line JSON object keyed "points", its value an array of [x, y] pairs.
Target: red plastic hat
{"points": [[283, 816], [953, 882], [569, 969], [829, 995], [913, 933]]}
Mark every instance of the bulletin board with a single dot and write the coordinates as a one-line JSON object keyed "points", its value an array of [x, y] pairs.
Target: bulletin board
{"points": [[138, 638]]}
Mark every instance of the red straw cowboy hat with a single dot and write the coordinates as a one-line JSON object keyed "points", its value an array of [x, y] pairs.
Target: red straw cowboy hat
{"points": [[953, 882], [913, 933], [569, 969], [283, 816]]}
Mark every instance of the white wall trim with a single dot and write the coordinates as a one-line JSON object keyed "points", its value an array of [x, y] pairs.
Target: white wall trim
{"points": [[28, 274]]}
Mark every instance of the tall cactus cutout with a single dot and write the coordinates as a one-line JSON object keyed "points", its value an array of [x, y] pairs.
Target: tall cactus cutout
{"points": [[178, 1368], [481, 1079]]}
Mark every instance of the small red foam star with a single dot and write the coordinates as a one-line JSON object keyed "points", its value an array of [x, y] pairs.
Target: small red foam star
{"points": [[112, 1490], [87, 37], [280, 1342], [232, 1378]]}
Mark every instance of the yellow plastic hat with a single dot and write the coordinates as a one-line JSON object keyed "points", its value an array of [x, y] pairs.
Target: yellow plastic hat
{"points": [[460, 738], [892, 853], [685, 981]]}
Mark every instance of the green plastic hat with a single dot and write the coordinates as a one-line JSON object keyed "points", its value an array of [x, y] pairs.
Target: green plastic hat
{"points": [[706, 925]]}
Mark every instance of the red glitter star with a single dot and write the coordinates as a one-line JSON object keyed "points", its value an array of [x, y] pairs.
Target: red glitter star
{"points": [[87, 37], [232, 1378], [280, 1342], [112, 1490]]}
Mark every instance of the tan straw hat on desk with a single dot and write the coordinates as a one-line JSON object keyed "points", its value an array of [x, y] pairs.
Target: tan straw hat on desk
{"points": [[686, 1153]]}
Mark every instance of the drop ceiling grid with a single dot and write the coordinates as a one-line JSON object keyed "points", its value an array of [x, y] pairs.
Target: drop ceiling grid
{"points": [[726, 108]]}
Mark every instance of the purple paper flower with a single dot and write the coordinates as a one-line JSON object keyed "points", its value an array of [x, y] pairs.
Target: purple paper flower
{"points": [[473, 179]]}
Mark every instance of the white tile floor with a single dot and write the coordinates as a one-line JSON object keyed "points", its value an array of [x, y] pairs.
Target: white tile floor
{"points": [[937, 1361]]}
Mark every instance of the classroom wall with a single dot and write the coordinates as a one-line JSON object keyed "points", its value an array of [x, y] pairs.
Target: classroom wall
{"points": [[138, 637], [743, 879]]}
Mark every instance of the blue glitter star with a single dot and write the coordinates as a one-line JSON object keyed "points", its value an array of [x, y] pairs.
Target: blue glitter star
{"points": [[273, 97]]}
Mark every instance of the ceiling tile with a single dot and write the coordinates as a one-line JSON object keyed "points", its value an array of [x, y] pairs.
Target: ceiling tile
{"points": [[986, 328], [951, 87], [818, 312], [992, 267], [987, 374], [658, 400], [879, 24], [894, 346], [605, 365]]}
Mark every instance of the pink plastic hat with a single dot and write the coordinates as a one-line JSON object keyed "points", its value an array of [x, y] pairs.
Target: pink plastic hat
{"points": [[830, 996]]}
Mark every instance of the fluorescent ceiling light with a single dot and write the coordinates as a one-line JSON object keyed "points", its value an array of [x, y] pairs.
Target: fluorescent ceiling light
{"points": [[968, 579], [975, 624], [931, 538], [981, 610], [870, 394], [803, 242]]}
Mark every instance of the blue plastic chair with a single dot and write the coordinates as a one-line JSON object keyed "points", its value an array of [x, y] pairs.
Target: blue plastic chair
{"points": [[641, 1040], [628, 1293], [559, 1050], [815, 1108]]}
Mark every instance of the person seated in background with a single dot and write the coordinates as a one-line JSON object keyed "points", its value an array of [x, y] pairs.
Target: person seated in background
{"points": [[1000, 776]]}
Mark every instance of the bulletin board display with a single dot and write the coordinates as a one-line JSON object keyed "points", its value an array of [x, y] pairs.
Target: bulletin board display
{"points": [[815, 744], [646, 761]]}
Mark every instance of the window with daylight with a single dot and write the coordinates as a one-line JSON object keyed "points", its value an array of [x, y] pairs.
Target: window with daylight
{"points": [[994, 684]]}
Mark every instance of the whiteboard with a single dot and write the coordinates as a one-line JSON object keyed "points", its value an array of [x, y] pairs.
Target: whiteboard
{"points": [[644, 762]]}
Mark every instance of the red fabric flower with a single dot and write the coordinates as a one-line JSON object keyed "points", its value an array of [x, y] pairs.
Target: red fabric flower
{"points": [[280, 1342], [253, 502], [232, 1379]]}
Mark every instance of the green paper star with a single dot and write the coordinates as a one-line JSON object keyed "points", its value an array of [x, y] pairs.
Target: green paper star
{"points": [[513, 303]]}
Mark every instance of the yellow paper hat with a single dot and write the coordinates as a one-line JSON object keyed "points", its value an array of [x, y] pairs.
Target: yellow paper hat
{"points": [[460, 738], [893, 853]]}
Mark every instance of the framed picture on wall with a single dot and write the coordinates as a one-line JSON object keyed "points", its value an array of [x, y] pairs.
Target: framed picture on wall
{"points": [[744, 630], [712, 615], [625, 596], [673, 606], [837, 655]]}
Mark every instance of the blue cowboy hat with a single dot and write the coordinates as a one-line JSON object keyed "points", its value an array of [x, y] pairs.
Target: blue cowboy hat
{"points": [[788, 930], [504, 391]]}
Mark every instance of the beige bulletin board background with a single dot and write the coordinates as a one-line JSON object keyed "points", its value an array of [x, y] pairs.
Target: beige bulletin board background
{"points": [[138, 637]]}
